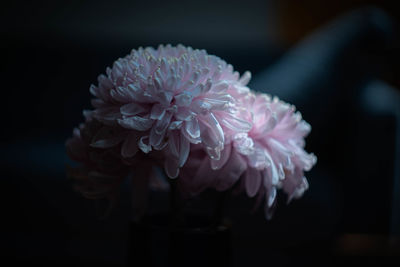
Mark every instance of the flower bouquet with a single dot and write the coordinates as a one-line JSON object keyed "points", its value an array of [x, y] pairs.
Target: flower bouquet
{"points": [[191, 115]]}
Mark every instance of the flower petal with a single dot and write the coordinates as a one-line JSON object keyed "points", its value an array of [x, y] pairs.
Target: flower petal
{"points": [[171, 166], [136, 123], [252, 182], [106, 137], [225, 154], [157, 112], [184, 149], [184, 114], [184, 99], [231, 172], [272, 172], [163, 123], [132, 109], [244, 80], [212, 135], [192, 128], [144, 144], [173, 143], [129, 147], [156, 138], [237, 124]]}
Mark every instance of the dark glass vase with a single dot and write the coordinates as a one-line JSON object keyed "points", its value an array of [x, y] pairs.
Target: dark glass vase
{"points": [[155, 241]]}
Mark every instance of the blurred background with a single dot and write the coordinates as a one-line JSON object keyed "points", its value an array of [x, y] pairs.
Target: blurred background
{"points": [[337, 61]]}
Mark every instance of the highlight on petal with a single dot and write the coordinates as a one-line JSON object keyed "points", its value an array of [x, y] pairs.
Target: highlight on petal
{"points": [[157, 112], [244, 80], [144, 144], [184, 148], [136, 123], [225, 155], [192, 128], [173, 144], [236, 124], [162, 124], [184, 99], [212, 135], [132, 109], [156, 139]]}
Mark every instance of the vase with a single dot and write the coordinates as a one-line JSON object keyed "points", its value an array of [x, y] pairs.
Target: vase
{"points": [[155, 241]]}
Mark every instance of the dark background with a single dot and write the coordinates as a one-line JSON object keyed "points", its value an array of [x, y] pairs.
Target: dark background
{"points": [[337, 61]]}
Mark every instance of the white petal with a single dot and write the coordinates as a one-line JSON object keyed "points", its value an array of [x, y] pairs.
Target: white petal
{"points": [[272, 170], [207, 86], [184, 99], [257, 159], [157, 112], [184, 149], [144, 144], [94, 90], [173, 143], [271, 196], [216, 128], [243, 143], [163, 123], [156, 138], [244, 80], [212, 136], [136, 123], [164, 97], [175, 125], [132, 109], [191, 140], [192, 128], [269, 124], [220, 87], [210, 103], [122, 94], [201, 107], [184, 114], [225, 154], [237, 124]]}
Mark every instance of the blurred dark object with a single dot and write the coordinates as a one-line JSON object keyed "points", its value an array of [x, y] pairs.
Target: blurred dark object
{"points": [[300, 18]]}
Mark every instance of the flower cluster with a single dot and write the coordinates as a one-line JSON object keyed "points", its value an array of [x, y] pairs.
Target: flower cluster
{"points": [[192, 114]]}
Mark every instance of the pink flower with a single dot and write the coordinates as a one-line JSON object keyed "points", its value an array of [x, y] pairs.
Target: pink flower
{"points": [[268, 157], [101, 170], [189, 112], [168, 99]]}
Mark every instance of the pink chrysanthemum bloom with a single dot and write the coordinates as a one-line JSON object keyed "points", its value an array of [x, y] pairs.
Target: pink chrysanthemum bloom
{"points": [[101, 170], [268, 157], [167, 99], [191, 113]]}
